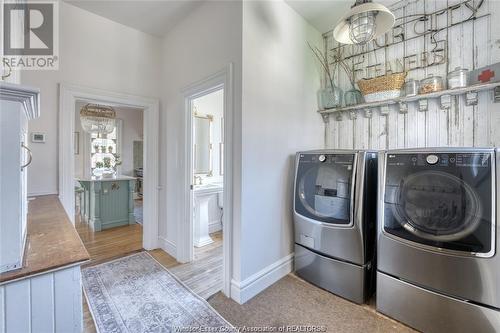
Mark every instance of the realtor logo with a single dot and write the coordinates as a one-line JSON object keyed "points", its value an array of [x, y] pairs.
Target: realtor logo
{"points": [[30, 35]]}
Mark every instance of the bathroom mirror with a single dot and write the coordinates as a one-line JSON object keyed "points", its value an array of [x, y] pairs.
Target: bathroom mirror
{"points": [[203, 144]]}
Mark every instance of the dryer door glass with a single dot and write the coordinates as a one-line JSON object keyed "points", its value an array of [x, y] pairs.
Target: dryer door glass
{"points": [[323, 189], [441, 200]]}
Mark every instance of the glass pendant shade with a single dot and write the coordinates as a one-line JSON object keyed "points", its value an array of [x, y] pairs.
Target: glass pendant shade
{"points": [[364, 22], [362, 27], [98, 119]]}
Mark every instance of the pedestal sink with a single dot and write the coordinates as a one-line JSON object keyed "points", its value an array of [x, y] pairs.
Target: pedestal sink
{"points": [[202, 194]]}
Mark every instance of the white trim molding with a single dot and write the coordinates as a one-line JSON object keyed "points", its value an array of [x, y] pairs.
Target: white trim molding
{"points": [[68, 95], [243, 291], [214, 226], [168, 246], [29, 97]]}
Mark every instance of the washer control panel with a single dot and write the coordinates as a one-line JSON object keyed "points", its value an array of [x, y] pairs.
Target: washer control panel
{"points": [[480, 160]]}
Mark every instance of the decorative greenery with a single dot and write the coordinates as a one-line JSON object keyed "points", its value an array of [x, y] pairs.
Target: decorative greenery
{"points": [[96, 148], [103, 149], [99, 165], [110, 149], [107, 162]]}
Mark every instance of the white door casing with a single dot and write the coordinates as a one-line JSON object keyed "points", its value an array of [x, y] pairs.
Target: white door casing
{"points": [[223, 79]]}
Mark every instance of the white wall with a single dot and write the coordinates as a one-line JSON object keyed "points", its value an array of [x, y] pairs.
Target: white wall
{"points": [[94, 52], [133, 128], [132, 122], [205, 42], [471, 45], [280, 81]]}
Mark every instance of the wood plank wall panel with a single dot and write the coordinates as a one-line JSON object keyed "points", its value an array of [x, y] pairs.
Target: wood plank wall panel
{"points": [[470, 45], [50, 302]]}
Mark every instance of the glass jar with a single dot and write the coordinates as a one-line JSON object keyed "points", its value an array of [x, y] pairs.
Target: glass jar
{"points": [[330, 97], [431, 84], [458, 78], [353, 97], [411, 88]]}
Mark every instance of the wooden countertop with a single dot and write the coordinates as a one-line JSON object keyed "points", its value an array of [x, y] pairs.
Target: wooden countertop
{"points": [[52, 241]]}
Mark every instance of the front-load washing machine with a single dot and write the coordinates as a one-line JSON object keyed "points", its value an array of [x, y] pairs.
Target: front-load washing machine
{"points": [[335, 220], [438, 268]]}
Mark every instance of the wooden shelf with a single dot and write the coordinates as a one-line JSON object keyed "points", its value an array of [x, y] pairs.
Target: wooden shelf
{"points": [[402, 100]]}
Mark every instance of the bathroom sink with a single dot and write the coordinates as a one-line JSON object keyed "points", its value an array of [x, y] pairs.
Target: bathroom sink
{"points": [[207, 188]]}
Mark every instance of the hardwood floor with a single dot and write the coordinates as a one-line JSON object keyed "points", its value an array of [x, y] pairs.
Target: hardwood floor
{"points": [[109, 244], [203, 275]]}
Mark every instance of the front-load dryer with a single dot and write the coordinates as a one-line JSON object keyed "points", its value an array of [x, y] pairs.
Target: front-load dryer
{"points": [[438, 264], [335, 220]]}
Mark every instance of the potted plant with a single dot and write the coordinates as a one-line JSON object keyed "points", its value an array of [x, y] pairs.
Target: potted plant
{"points": [[98, 169], [110, 149], [103, 149], [96, 148], [118, 161], [108, 168], [330, 96]]}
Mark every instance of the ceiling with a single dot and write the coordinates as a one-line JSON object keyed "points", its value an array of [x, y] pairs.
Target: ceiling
{"points": [[322, 14], [153, 17], [163, 15]]}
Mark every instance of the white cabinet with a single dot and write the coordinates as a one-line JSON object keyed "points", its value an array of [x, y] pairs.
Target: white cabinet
{"points": [[18, 104]]}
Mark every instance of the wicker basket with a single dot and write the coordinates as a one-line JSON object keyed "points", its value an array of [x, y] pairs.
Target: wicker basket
{"points": [[382, 87]]}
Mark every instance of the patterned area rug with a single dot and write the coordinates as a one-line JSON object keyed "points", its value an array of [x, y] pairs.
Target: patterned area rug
{"points": [[137, 294]]}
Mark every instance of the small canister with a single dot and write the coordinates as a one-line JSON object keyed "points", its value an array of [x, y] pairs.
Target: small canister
{"points": [[458, 78], [411, 88], [431, 84]]}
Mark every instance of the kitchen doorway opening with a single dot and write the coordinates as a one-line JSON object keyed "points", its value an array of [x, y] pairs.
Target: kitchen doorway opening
{"points": [[70, 97]]}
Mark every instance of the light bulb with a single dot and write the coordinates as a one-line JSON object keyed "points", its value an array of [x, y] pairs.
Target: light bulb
{"points": [[362, 27]]}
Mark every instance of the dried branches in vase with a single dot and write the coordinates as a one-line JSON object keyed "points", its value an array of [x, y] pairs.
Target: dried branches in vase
{"points": [[352, 96], [330, 96]]}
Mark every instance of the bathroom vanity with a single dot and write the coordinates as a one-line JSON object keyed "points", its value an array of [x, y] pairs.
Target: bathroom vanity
{"points": [[202, 217], [107, 202]]}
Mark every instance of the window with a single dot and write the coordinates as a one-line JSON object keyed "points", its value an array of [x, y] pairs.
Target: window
{"points": [[105, 149]]}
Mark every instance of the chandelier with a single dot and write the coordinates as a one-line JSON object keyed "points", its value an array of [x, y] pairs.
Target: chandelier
{"points": [[97, 118], [364, 22]]}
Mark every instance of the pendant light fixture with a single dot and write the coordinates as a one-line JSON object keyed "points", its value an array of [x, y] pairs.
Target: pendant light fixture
{"points": [[364, 22], [97, 118]]}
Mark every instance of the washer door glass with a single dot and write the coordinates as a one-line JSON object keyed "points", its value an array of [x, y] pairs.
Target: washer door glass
{"points": [[441, 200], [437, 206], [324, 187]]}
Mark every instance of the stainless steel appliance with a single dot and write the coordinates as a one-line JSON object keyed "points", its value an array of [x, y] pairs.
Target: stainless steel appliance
{"points": [[335, 220], [438, 269]]}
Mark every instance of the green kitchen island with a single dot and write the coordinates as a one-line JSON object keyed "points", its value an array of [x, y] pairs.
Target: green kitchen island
{"points": [[107, 202]]}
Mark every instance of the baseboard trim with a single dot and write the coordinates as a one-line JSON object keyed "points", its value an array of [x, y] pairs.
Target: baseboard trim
{"points": [[214, 226], [168, 246], [39, 194], [243, 291]]}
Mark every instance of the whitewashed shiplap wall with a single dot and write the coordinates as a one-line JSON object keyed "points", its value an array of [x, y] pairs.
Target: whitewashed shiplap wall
{"points": [[50, 302], [471, 45]]}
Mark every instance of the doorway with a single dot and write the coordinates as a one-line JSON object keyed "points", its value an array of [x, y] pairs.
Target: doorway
{"points": [[69, 96], [208, 173], [108, 173]]}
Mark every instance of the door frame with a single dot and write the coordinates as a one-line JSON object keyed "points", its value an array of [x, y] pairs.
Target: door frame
{"points": [[185, 252], [69, 94]]}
